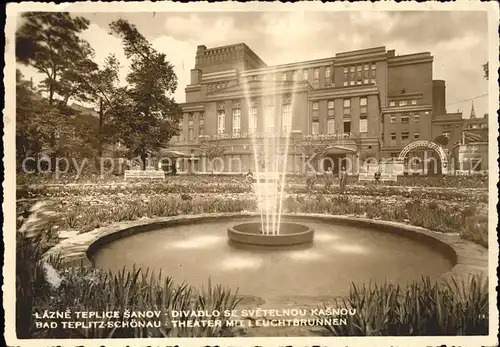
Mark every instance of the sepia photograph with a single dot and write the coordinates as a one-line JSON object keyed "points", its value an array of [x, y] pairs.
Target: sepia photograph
{"points": [[251, 174]]}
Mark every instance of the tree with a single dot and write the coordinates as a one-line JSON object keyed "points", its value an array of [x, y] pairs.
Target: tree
{"points": [[149, 116], [49, 42], [441, 140], [315, 150], [486, 70], [213, 149]]}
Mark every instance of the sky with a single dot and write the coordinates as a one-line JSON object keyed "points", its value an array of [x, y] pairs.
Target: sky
{"points": [[457, 40]]}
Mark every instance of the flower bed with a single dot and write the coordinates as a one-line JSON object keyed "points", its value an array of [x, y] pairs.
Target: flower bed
{"points": [[472, 181], [241, 187], [87, 213]]}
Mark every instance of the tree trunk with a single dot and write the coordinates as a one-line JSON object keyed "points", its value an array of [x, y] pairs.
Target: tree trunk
{"points": [[101, 116]]}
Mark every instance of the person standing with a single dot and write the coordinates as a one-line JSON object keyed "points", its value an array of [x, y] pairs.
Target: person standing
{"points": [[343, 180], [328, 178]]}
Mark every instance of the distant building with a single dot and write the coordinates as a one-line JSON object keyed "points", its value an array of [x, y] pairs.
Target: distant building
{"points": [[368, 102]]}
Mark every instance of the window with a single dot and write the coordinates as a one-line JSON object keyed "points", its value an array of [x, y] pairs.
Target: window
{"points": [[252, 123], [287, 118], [405, 136], [366, 67], [374, 66], [202, 131], [366, 81], [316, 74], [346, 70], [393, 119], [405, 119], [403, 102], [347, 106], [416, 136], [315, 113], [352, 68], [236, 121], [331, 108], [328, 72], [221, 118], [351, 83], [393, 136], [374, 73], [315, 127], [305, 75], [330, 123], [359, 67], [363, 106], [414, 102], [372, 80], [191, 134], [347, 127], [363, 123], [269, 117], [446, 133], [191, 120], [392, 103], [346, 83], [416, 118], [295, 76], [284, 76], [202, 119]]}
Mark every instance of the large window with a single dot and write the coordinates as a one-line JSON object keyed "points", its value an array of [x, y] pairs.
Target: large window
{"points": [[305, 75], [328, 72], [236, 121], [191, 134], [315, 106], [252, 122], [287, 118], [363, 123], [221, 119], [315, 127], [331, 125], [405, 119], [316, 74], [347, 106], [331, 108], [405, 136], [269, 118], [363, 104]]}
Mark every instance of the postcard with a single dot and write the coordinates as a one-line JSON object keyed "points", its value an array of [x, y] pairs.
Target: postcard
{"points": [[251, 174]]}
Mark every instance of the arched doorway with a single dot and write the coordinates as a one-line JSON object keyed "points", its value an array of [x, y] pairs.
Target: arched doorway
{"points": [[438, 150]]}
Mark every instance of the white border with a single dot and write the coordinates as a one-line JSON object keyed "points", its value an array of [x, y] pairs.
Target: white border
{"points": [[9, 184]]}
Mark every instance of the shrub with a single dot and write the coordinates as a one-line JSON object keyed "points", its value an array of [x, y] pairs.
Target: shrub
{"points": [[89, 289], [423, 308]]}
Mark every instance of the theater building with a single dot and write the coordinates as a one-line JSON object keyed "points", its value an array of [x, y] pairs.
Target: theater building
{"points": [[353, 105]]}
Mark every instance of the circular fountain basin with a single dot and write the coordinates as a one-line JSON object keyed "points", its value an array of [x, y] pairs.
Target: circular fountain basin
{"points": [[289, 234], [340, 254]]}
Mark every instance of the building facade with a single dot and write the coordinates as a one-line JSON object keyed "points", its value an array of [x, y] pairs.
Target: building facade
{"points": [[351, 106]]}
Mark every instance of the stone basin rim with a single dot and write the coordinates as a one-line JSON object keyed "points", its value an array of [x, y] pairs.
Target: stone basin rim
{"points": [[417, 233]]}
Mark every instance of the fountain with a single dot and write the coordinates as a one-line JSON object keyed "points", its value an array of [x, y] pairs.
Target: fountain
{"points": [[269, 184]]}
